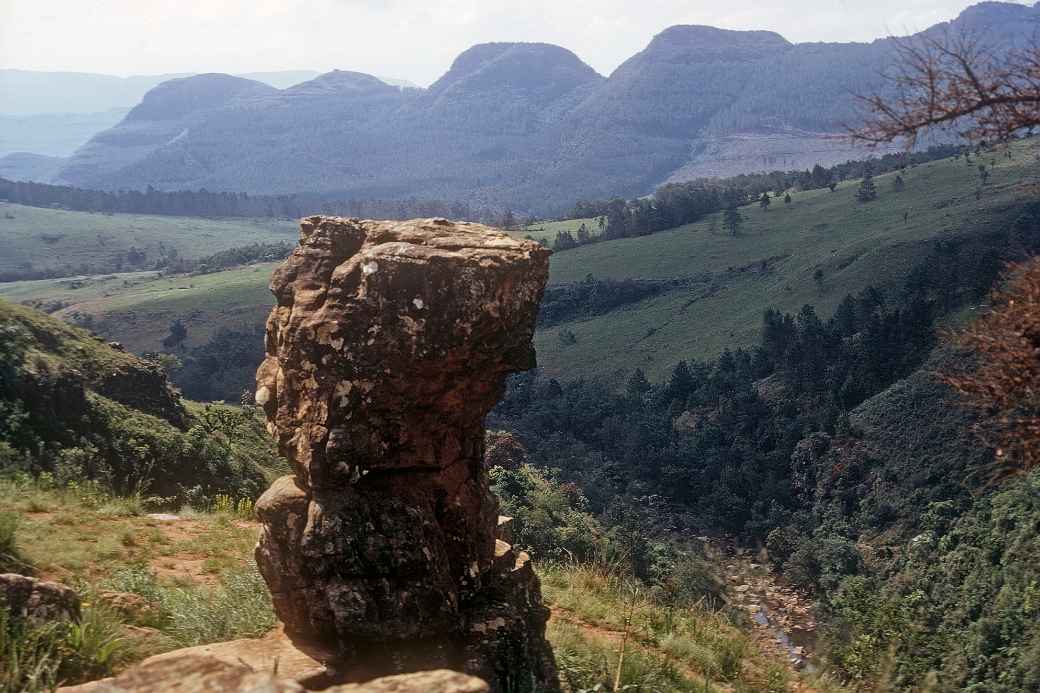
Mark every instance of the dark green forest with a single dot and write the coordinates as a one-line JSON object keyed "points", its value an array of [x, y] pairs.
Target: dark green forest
{"points": [[835, 445]]}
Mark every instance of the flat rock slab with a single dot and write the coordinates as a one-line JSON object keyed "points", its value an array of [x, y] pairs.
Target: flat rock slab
{"points": [[193, 671], [272, 654]]}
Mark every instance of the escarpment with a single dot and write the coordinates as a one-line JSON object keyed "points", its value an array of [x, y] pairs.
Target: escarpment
{"points": [[389, 343]]}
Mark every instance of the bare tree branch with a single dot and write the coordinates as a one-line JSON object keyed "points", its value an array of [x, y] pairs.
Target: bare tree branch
{"points": [[953, 81]]}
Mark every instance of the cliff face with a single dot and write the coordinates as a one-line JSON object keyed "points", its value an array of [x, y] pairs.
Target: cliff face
{"points": [[389, 344]]}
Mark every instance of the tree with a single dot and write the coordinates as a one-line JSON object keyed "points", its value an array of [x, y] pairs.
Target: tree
{"points": [[732, 220], [508, 221], [952, 81], [637, 385], [1004, 387], [178, 333], [583, 234], [564, 241], [818, 278], [867, 189], [764, 202]]}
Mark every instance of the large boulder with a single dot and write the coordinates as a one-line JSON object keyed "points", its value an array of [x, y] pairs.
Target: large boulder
{"points": [[389, 344], [36, 600]]}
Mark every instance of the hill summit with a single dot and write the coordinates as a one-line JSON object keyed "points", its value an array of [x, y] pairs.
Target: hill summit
{"points": [[522, 125]]}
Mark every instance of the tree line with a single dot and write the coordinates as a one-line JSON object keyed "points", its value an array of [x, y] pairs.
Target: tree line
{"points": [[676, 204], [204, 203]]}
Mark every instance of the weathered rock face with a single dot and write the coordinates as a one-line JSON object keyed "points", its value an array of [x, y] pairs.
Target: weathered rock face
{"points": [[389, 344], [38, 601]]}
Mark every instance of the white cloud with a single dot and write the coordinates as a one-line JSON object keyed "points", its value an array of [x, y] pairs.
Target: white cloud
{"points": [[413, 39]]}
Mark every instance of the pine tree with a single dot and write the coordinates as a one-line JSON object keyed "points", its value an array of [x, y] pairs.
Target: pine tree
{"points": [[637, 385], [732, 220], [867, 189], [178, 333]]}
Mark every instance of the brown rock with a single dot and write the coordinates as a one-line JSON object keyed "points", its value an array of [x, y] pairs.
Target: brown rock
{"points": [[38, 600], [437, 681], [190, 671], [274, 654], [389, 344]]}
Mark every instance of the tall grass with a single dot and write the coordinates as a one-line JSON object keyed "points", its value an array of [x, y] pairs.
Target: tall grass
{"points": [[9, 558], [37, 656], [239, 607], [687, 644], [588, 664]]}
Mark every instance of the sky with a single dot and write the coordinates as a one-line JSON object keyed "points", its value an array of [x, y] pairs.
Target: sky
{"points": [[407, 39]]}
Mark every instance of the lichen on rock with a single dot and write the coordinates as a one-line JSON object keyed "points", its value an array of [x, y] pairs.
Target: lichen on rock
{"points": [[389, 344]]}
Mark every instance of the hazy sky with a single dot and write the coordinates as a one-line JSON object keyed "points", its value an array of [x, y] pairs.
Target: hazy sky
{"points": [[410, 39]]}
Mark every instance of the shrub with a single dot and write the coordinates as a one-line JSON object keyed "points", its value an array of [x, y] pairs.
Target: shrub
{"points": [[550, 517]]}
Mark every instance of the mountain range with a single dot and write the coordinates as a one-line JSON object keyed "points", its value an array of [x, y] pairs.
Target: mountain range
{"points": [[51, 114], [521, 125]]}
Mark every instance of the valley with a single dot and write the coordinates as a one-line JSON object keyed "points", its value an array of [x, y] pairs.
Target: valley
{"points": [[717, 279], [713, 368]]}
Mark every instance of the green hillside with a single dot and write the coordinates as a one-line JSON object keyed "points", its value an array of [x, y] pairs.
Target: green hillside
{"points": [[136, 308], [546, 230], [724, 283], [35, 239], [724, 289]]}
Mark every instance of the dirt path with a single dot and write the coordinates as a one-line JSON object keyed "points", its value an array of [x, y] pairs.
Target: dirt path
{"points": [[188, 565]]}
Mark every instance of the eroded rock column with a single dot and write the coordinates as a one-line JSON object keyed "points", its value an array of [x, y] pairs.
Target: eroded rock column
{"points": [[389, 344]]}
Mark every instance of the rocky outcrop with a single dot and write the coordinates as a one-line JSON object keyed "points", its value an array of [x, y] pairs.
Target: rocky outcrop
{"points": [[389, 343], [38, 601]]}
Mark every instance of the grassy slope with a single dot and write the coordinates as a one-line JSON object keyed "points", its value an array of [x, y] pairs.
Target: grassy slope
{"points": [[855, 245], [197, 577], [720, 305], [75, 238], [547, 230], [136, 308]]}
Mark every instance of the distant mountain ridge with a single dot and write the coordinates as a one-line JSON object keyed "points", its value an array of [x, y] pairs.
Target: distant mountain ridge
{"points": [[521, 125], [54, 113]]}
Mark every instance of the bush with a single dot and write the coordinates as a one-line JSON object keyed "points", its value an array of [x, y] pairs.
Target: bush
{"points": [[781, 543], [822, 561], [550, 517]]}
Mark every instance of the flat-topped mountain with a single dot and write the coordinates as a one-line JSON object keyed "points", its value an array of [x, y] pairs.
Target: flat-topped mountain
{"points": [[522, 125]]}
